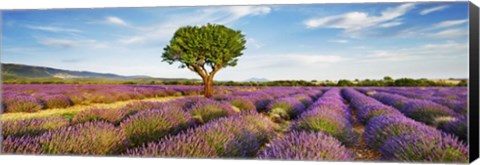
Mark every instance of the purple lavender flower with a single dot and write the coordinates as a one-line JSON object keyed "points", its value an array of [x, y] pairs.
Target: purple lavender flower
{"points": [[304, 98], [370, 111], [32, 127], [380, 129], [285, 108], [306, 146], [458, 127], [55, 100], [426, 111], [367, 107], [459, 107], [113, 116], [56, 95], [16, 102], [208, 110], [261, 100], [429, 146], [92, 138], [332, 100], [21, 145], [134, 107], [328, 121], [391, 99], [182, 146], [152, 125], [240, 135], [242, 104]]}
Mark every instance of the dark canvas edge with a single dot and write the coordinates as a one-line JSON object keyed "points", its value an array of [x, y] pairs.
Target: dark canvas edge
{"points": [[473, 83]]}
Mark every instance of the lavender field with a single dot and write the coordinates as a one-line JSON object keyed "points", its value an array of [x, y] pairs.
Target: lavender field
{"points": [[414, 124]]}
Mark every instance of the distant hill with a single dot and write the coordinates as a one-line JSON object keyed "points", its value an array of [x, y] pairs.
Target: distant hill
{"points": [[20, 71], [27, 71], [255, 79]]}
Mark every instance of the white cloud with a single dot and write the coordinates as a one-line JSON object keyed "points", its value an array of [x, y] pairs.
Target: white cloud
{"points": [[353, 22], [219, 15], [287, 62], [390, 24], [72, 43], [433, 9], [360, 47], [241, 11], [307, 59], [133, 40], [444, 29], [450, 23], [115, 21], [447, 46], [346, 21], [449, 33], [386, 55], [53, 29], [339, 41], [251, 42], [57, 42], [447, 49]]}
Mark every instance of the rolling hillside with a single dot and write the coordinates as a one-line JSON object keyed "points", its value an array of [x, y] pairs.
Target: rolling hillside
{"points": [[27, 72]]}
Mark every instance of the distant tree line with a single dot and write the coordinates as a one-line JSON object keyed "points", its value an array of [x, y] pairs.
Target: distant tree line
{"points": [[401, 82], [385, 82]]}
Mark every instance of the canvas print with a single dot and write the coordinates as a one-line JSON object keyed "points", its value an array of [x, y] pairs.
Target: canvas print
{"points": [[319, 82]]}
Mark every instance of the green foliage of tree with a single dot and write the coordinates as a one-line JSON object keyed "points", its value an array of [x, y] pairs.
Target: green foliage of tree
{"points": [[205, 50], [344, 83], [463, 83]]}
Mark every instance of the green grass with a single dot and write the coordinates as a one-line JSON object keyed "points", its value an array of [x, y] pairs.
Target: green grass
{"points": [[69, 112]]}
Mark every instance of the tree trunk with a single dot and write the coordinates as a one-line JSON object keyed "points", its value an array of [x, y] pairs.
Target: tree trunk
{"points": [[208, 85]]}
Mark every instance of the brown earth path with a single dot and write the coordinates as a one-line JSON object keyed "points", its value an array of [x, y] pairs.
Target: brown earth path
{"points": [[360, 148]]}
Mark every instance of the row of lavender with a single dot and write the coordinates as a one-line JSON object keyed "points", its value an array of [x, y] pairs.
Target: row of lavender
{"points": [[140, 128], [455, 98], [32, 98], [319, 132], [398, 137], [425, 110], [230, 126], [241, 136]]}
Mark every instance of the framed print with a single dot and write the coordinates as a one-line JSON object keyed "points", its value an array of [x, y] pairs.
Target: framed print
{"points": [[346, 82]]}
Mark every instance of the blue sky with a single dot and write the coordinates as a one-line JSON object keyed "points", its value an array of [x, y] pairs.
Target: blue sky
{"points": [[324, 41]]}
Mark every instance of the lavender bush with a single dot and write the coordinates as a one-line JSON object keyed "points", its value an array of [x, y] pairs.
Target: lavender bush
{"points": [[92, 138], [15, 102], [367, 107], [236, 136], [21, 145], [326, 121], [135, 107], [374, 110], [55, 101], [458, 127], [205, 111], [285, 108], [380, 129], [425, 111], [152, 125], [32, 127], [305, 99], [429, 146], [242, 104], [113, 116], [397, 101], [306, 146], [182, 146]]}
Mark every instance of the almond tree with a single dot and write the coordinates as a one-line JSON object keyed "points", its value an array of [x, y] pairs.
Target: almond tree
{"points": [[205, 50]]}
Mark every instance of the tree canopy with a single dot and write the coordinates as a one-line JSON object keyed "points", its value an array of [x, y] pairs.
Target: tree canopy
{"points": [[205, 50]]}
